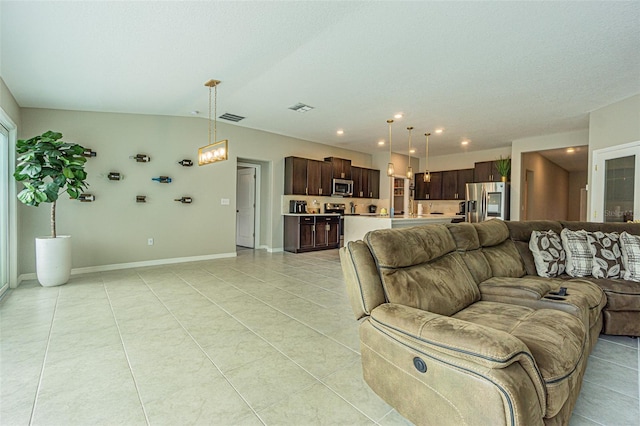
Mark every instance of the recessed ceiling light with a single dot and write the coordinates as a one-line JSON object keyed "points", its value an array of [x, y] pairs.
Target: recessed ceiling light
{"points": [[464, 143], [340, 132], [439, 130], [571, 150], [398, 115], [380, 142]]}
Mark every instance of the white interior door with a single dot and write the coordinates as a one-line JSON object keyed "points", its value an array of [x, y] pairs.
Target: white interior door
{"points": [[616, 184], [245, 207], [4, 210]]}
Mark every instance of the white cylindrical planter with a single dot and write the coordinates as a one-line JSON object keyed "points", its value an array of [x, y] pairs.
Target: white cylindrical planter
{"points": [[53, 260]]}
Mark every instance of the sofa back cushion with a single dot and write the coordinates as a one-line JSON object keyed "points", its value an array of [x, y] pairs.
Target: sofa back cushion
{"points": [[419, 267], [468, 245], [361, 278], [500, 251], [520, 233]]}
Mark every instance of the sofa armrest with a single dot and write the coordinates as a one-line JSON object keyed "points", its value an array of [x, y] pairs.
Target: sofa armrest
{"points": [[465, 343]]}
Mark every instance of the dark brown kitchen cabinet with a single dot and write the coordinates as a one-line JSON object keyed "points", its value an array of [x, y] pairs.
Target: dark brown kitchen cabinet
{"points": [[454, 183], [366, 182], [431, 190], [306, 177], [341, 167], [486, 171], [309, 233]]}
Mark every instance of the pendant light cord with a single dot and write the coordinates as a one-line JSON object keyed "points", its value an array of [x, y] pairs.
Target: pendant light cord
{"points": [[215, 111]]}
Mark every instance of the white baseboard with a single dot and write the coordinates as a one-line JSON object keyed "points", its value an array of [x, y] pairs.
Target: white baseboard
{"points": [[275, 249], [141, 264]]}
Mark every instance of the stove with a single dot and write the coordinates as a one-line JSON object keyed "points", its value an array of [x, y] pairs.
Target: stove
{"points": [[334, 208], [337, 208]]}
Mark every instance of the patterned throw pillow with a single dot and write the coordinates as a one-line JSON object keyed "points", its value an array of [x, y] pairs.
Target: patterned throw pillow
{"points": [[607, 256], [630, 245], [579, 257], [548, 254]]}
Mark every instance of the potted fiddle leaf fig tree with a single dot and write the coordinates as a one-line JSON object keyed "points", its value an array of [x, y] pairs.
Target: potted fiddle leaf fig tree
{"points": [[49, 167]]}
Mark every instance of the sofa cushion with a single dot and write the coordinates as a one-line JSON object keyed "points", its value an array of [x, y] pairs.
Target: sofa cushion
{"points": [[491, 232], [468, 245], [607, 256], [543, 331], [420, 268], [630, 245], [622, 295], [548, 254], [504, 259], [578, 250]]}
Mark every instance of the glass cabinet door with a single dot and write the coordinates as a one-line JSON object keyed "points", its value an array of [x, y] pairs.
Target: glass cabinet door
{"points": [[619, 188], [615, 184]]}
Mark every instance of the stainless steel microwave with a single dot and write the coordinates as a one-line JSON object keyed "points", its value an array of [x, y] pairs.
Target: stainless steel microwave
{"points": [[342, 188]]}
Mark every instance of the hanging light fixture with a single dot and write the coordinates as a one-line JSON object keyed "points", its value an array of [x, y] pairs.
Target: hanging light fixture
{"points": [[216, 151], [427, 175], [409, 168], [390, 169]]}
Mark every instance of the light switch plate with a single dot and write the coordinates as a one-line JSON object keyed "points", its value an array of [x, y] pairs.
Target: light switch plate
{"points": [[224, 201]]}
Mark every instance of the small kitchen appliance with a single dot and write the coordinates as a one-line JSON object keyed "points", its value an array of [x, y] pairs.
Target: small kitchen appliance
{"points": [[297, 206], [372, 208]]}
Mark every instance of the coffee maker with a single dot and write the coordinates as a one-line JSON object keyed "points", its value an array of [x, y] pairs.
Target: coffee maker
{"points": [[297, 206]]}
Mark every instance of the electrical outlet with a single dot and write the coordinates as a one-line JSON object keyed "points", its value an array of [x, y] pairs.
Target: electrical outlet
{"points": [[150, 241]]}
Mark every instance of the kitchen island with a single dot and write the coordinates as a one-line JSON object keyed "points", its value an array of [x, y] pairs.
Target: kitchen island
{"points": [[355, 227]]}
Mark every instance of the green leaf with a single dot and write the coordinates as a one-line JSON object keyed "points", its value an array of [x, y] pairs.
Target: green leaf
{"points": [[73, 193], [67, 172]]}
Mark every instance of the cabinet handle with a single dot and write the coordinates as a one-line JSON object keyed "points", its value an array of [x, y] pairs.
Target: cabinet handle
{"points": [[319, 191], [306, 191]]}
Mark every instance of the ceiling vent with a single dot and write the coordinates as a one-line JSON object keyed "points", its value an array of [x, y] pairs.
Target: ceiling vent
{"points": [[232, 117], [301, 107]]}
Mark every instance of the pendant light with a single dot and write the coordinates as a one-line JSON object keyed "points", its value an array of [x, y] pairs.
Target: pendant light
{"points": [[409, 168], [427, 175], [216, 151], [390, 169]]}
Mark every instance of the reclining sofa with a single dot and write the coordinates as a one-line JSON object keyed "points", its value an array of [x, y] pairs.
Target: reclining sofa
{"points": [[459, 329]]}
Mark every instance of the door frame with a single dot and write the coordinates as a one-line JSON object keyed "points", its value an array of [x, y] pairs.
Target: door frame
{"points": [[8, 123], [596, 210], [257, 205]]}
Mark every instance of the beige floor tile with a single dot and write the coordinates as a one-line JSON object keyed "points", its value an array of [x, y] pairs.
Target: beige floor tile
{"points": [[616, 353], [613, 376], [615, 410], [234, 349], [265, 381], [315, 405]]}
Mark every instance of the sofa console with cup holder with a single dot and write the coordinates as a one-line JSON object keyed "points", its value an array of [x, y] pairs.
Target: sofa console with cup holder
{"points": [[458, 327]]}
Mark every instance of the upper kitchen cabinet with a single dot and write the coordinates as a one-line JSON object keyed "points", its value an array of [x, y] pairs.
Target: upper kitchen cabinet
{"points": [[431, 190], [341, 167], [454, 183], [486, 171], [366, 182], [306, 177]]}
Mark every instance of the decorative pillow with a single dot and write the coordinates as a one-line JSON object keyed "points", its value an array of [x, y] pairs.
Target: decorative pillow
{"points": [[548, 254], [578, 250], [607, 256], [630, 245]]}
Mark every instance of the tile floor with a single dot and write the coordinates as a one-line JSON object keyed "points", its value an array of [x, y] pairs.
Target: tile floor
{"points": [[257, 339]]}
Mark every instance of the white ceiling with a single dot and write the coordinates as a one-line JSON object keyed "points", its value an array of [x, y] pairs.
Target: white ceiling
{"points": [[491, 72]]}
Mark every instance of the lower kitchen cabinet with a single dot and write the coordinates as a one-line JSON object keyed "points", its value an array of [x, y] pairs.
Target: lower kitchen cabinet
{"points": [[309, 233]]}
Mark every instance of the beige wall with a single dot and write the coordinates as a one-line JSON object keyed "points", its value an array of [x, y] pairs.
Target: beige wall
{"points": [[9, 104], [114, 229], [577, 181], [613, 125], [550, 188]]}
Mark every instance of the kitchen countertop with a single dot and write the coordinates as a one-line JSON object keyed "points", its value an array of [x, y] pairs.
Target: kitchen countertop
{"points": [[310, 214], [355, 227]]}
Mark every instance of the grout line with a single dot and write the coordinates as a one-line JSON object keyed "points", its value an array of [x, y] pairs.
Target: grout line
{"points": [[126, 354], [199, 346], [44, 360]]}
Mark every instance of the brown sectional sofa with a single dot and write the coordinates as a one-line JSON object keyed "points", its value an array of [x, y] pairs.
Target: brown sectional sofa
{"points": [[458, 329]]}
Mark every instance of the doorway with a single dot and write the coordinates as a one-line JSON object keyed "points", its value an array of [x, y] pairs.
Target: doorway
{"points": [[248, 205]]}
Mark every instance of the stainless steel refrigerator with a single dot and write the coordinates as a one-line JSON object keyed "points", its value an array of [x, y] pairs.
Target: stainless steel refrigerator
{"points": [[487, 200]]}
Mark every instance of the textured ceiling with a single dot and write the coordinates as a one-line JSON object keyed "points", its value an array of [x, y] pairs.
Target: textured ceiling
{"points": [[490, 72]]}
